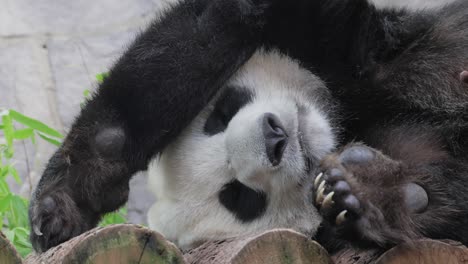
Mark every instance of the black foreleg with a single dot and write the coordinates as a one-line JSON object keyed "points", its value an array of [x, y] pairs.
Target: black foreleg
{"points": [[154, 90]]}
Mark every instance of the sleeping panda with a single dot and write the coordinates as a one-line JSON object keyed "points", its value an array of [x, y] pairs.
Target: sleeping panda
{"points": [[394, 73], [248, 163], [245, 163]]}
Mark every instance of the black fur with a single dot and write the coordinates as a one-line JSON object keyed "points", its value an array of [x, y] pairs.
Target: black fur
{"points": [[396, 75], [384, 67], [154, 90], [245, 203], [381, 189], [226, 107]]}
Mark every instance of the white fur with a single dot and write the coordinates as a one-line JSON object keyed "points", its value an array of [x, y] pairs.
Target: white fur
{"points": [[188, 176]]}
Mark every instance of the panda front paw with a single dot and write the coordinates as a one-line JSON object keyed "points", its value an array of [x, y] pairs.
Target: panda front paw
{"points": [[80, 183], [364, 195], [55, 218]]}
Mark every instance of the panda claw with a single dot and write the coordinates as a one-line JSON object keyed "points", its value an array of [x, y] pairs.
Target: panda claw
{"points": [[328, 201], [341, 218], [320, 195], [321, 186], [37, 230], [318, 178]]}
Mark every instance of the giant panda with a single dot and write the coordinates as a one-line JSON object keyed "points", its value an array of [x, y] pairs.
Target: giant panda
{"points": [[394, 73], [246, 163]]}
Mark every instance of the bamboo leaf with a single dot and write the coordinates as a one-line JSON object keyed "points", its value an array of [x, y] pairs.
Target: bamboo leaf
{"points": [[35, 124], [3, 172], [5, 203], [101, 77], [4, 191], [49, 139], [33, 139], [8, 130], [23, 133], [15, 174]]}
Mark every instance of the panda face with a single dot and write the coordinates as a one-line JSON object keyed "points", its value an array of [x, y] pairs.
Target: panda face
{"points": [[246, 163]]}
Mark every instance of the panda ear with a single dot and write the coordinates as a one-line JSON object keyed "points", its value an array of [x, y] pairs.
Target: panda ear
{"points": [[464, 77]]}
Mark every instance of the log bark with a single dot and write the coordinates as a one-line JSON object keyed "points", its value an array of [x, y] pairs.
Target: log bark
{"points": [[357, 256], [114, 244], [8, 254], [272, 247], [423, 251], [427, 252]]}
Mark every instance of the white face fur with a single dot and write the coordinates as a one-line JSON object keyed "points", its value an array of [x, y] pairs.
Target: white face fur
{"points": [[246, 163]]}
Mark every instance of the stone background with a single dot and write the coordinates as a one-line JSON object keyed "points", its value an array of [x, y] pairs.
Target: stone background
{"points": [[50, 52]]}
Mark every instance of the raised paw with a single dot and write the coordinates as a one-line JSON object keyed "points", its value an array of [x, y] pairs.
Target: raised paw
{"points": [[54, 219], [365, 195], [77, 187]]}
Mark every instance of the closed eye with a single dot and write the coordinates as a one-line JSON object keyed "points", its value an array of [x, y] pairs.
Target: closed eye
{"points": [[227, 106]]}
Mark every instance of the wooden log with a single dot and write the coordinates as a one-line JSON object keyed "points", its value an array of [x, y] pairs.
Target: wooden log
{"points": [[113, 244], [356, 256], [8, 254], [272, 247], [427, 252], [136, 244], [421, 251]]}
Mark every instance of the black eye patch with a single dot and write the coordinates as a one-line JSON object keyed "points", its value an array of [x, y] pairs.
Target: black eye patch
{"points": [[227, 106], [245, 203]]}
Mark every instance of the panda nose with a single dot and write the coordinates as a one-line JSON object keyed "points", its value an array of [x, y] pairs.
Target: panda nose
{"points": [[275, 136]]}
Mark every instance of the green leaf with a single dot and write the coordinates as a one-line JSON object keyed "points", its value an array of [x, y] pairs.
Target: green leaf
{"points": [[10, 235], [8, 132], [21, 241], [23, 251], [18, 215], [4, 192], [14, 173], [5, 203], [23, 133], [33, 139], [118, 217], [3, 172], [101, 77], [86, 93], [50, 140], [35, 124]]}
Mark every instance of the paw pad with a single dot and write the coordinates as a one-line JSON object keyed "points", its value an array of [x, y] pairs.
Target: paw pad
{"points": [[357, 154], [416, 199], [48, 204], [109, 142]]}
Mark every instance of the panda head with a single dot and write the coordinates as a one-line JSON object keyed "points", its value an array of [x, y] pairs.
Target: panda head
{"points": [[246, 163]]}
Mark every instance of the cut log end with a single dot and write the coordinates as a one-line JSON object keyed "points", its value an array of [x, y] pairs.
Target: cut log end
{"points": [[275, 247], [426, 252], [114, 244]]}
